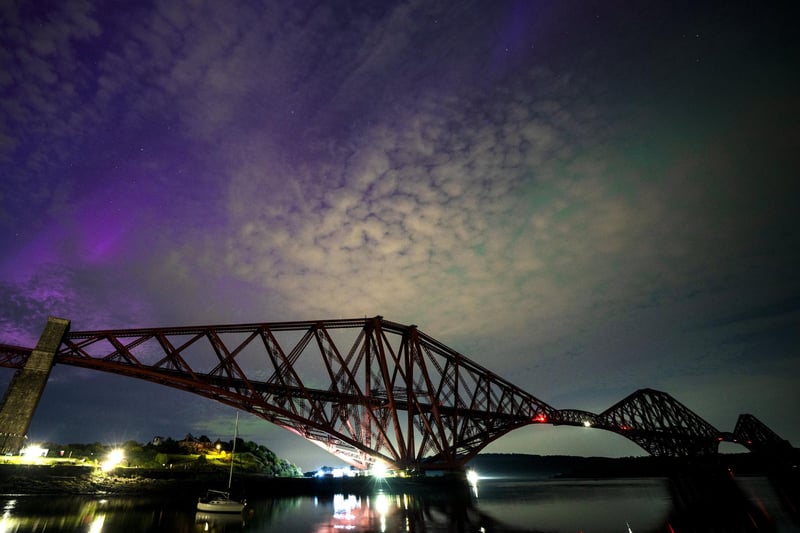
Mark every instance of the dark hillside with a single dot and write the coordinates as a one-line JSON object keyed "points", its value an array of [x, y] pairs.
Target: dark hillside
{"points": [[555, 466]]}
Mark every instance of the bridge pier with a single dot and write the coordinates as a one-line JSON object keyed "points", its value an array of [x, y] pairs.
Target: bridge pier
{"points": [[27, 386]]}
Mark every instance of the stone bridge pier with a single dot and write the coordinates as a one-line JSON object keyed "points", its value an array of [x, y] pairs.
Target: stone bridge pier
{"points": [[26, 388]]}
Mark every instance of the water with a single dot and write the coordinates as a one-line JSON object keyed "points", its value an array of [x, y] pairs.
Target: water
{"points": [[499, 505]]}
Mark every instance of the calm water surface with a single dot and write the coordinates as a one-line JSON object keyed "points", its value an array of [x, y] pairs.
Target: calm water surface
{"points": [[500, 505]]}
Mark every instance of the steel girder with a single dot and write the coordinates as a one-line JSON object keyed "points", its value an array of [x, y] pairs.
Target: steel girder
{"points": [[756, 436], [391, 393], [662, 425], [13, 356], [576, 417], [655, 421], [396, 395]]}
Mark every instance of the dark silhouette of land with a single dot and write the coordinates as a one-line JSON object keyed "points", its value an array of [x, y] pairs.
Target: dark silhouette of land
{"points": [[515, 465]]}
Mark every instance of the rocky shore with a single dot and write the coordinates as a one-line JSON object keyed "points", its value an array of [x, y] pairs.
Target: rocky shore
{"points": [[82, 480], [35, 479]]}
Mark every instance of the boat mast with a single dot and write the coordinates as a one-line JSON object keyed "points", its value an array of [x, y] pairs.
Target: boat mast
{"points": [[233, 450]]}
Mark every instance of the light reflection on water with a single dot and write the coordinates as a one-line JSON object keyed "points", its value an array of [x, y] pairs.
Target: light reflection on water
{"points": [[500, 505]]}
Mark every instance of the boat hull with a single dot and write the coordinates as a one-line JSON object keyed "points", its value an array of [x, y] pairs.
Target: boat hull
{"points": [[220, 506]]}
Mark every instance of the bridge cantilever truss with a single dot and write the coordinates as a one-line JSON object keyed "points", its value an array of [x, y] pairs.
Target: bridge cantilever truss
{"points": [[369, 390], [392, 394], [655, 421]]}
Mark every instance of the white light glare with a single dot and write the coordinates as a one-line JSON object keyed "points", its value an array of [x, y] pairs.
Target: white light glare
{"points": [[34, 450], [97, 524], [382, 504], [114, 458], [379, 469]]}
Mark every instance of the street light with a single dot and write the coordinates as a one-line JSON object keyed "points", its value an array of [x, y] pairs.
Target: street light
{"points": [[114, 458]]}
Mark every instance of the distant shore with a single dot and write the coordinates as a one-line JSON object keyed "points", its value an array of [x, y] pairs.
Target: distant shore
{"points": [[558, 466]]}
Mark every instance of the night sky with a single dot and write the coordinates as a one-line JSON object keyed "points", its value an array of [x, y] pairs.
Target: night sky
{"points": [[586, 197]]}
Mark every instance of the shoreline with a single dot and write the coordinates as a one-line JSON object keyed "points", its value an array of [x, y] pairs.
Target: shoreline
{"points": [[74, 480], [82, 480]]}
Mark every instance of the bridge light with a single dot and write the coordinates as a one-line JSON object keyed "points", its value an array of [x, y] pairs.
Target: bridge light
{"points": [[379, 469], [541, 418], [587, 424]]}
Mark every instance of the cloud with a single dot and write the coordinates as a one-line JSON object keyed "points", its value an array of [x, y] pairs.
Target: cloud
{"points": [[437, 200], [584, 231], [48, 78]]}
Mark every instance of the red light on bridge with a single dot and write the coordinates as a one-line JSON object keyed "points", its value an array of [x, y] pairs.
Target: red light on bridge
{"points": [[541, 418], [624, 427]]}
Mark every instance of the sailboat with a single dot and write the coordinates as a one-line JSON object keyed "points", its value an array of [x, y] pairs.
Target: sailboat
{"points": [[218, 501]]}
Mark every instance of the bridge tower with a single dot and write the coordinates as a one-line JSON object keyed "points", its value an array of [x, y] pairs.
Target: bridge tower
{"points": [[27, 386]]}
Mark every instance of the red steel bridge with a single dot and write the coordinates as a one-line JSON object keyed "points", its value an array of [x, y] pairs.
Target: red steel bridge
{"points": [[370, 390]]}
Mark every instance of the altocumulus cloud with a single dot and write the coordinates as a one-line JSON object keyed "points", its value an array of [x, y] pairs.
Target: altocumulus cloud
{"points": [[550, 191]]}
